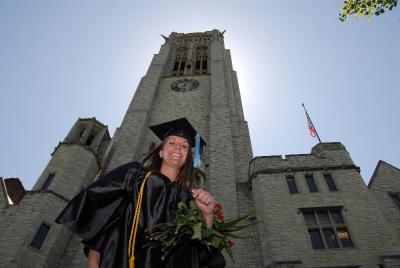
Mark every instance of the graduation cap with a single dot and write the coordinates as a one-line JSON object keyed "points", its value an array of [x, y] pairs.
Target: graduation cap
{"points": [[182, 128]]}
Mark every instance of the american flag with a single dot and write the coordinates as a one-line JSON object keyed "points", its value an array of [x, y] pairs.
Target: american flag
{"points": [[311, 128]]}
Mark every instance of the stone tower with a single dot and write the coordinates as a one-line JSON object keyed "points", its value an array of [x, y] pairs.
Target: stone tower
{"points": [[29, 235], [192, 77], [314, 210]]}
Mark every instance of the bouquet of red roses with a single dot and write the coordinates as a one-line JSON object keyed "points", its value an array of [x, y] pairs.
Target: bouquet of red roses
{"points": [[189, 224]]}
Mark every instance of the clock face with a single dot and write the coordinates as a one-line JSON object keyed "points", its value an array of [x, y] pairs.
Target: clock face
{"points": [[184, 85]]}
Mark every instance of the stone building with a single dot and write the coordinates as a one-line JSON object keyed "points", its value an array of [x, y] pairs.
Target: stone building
{"points": [[314, 210]]}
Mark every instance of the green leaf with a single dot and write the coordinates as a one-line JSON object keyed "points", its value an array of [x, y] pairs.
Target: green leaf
{"points": [[234, 221], [207, 233], [216, 242], [182, 205], [197, 231], [193, 204], [230, 254]]}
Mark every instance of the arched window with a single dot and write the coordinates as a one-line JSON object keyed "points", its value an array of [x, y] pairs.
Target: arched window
{"points": [[180, 61], [201, 60]]}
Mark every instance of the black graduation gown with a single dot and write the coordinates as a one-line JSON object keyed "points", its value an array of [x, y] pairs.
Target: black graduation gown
{"points": [[102, 216]]}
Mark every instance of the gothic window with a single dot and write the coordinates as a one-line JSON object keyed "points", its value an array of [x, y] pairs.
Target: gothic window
{"points": [[40, 236], [331, 184], [182, 66], [48, 182], [291, 185], [326, 228], [180, 62], [396, 199], [176, 65], [90, 139], [201, 60], [311, 184]]}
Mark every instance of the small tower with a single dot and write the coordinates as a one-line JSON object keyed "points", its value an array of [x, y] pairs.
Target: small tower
{"points": [[35, 239], [76, 160]]}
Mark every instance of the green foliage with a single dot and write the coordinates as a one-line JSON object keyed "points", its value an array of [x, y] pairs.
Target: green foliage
{"points": [[367, 8], [189, 224]]}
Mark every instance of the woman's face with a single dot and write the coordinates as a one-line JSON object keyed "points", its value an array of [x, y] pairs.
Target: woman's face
{"points": [[175, 151]]}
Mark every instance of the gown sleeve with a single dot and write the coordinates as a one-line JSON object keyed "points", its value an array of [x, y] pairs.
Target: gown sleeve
{"points": [[100, 204], [102, 215]]}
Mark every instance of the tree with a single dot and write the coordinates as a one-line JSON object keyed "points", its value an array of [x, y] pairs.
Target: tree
{"points": [[367, 8]]}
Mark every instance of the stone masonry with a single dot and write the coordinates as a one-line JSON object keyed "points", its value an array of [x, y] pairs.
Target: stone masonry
{"points": [[283, 227], [74, 164], [384, 184], [214, 109], [192, 76]]}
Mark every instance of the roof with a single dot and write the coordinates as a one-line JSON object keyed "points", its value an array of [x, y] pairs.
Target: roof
{"points": [[381, 162], [98, 122]]}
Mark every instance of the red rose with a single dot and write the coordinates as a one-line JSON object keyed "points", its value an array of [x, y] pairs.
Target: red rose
{"points": [[220, 217], [218, 212], [217, 207]]}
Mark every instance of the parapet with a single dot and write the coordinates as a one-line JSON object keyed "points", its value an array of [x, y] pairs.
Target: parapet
{"points": [[324, 156], [327, 146]]}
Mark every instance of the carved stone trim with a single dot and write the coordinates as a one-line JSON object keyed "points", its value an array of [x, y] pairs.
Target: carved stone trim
{"points": [[184, 85]]}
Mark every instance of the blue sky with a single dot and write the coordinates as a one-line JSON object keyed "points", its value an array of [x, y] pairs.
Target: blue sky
{"points": [[61, 60]]}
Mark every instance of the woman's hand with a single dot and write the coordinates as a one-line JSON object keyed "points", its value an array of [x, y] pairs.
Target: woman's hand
{"points": [[205, 202], [93, 259]]}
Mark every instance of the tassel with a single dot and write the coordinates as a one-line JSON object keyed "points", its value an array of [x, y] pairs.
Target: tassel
{"points": [[197, 160], [131, 262]]}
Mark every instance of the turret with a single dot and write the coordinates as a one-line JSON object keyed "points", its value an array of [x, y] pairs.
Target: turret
{"points": [[28, 226]]}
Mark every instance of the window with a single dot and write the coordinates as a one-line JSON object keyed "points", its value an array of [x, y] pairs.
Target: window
{"points": [[201, 60], [90, 139], [176, 65], [326, 228], [291, 185], [316, 239], [396, 199], [180, 61], [311, 184], [40, 236], [329, 181], [48, 181], [81, 133]]}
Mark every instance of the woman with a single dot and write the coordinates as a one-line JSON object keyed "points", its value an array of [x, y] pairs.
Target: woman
{"points": [[102, 214]]}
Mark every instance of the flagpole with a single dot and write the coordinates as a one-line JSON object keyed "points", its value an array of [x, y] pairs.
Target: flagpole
{"points": [[312, 124]]}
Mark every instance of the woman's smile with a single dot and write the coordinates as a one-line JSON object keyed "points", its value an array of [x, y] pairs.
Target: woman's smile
{"points": [[175, 151]]}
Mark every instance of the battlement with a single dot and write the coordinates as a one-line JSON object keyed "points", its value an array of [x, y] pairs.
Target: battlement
{"points": [[196, 34], [196, 37], [324, 156]]}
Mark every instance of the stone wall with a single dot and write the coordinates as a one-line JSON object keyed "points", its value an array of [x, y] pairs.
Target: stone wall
{"points": [[384, 183], [283, 231], [22, 222], [74, 167]]}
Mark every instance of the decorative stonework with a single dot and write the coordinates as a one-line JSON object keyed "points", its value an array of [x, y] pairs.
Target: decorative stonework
{"points": [[184, 85]]}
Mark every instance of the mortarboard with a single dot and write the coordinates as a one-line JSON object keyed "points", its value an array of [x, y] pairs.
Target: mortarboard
{"points": [[181, 127]]}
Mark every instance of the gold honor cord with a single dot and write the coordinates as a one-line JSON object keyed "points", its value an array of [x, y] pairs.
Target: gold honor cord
{"points": [[135, 223]]}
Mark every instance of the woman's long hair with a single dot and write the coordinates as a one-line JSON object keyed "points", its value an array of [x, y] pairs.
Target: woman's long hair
{"points": [[185, 175]]}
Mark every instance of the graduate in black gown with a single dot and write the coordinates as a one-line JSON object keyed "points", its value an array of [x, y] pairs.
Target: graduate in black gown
{"points": [[102, 214]]}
